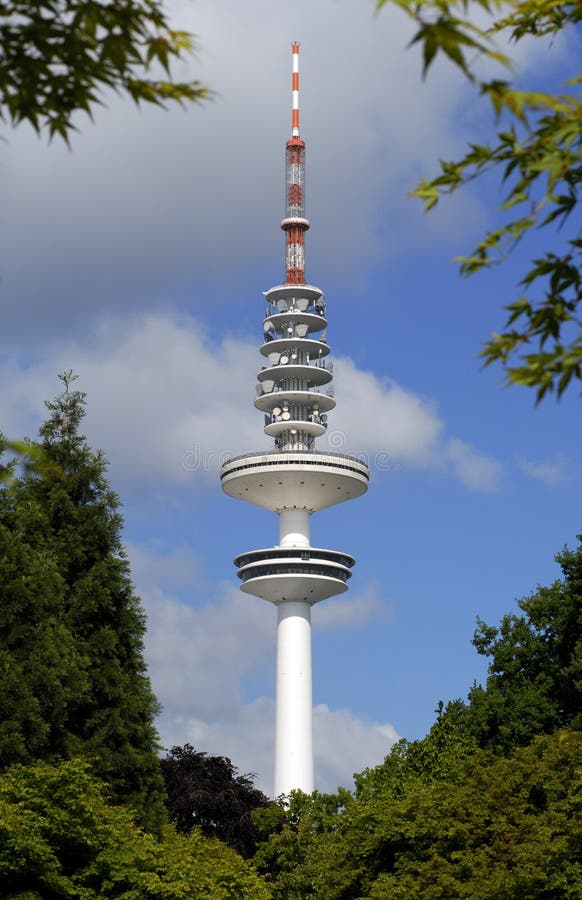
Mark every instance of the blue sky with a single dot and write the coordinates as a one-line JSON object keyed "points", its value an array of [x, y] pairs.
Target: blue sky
{"points": [[139, 258]]}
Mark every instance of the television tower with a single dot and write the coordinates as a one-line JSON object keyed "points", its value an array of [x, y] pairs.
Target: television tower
{"points": [[294, 480]]}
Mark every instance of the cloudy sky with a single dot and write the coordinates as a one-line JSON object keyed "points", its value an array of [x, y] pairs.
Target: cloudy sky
{"points": [[138, 258]]}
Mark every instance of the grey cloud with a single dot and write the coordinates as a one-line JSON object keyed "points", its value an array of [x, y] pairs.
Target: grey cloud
{"points": [[153, 208]]}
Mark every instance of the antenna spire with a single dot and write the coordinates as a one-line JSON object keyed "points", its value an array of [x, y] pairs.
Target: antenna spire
{"points": [[295, 90], [295, 224]]}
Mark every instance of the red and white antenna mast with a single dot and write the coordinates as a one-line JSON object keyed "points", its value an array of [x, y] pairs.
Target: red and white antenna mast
{"points": [[295, 224]]}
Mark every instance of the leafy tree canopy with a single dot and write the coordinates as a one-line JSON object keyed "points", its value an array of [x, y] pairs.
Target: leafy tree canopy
{"points": [[207, 792], [59, 838], [57, 57], [490, 827], [27, 455], [535, 674], [294, 829], [537, 153], [72, 674]]}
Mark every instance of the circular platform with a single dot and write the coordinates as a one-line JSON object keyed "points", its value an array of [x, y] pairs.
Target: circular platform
{"points": [[315, 348], [279, 574], [294, 480], [268, 402], [316, 375], [286, 291], [280, 320], [315, 429], [282, 587]]}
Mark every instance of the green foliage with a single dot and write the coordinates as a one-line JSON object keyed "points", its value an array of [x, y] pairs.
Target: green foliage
{"points": [[296, 828], [59, 838], [73, 679], [489, 828], [57, 56], [535, 675], [435, 757], [25, 454], [207, 792], [504, 828], [537, 154]]}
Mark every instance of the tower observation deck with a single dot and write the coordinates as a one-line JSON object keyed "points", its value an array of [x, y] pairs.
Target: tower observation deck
{"points": [[294, 480]]}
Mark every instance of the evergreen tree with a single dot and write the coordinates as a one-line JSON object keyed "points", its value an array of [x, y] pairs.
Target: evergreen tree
{"points": [[72, 675]]}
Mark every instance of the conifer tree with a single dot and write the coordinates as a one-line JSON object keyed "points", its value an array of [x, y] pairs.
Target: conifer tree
{"points": [[72, 674]]}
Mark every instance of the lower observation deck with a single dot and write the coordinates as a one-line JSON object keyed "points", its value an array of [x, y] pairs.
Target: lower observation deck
{"points": [[302, 573], [279, 480]]}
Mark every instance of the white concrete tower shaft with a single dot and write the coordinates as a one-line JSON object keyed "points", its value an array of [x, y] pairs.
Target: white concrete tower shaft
{"points": [[294, 480], [293, 686], [293, 706]]}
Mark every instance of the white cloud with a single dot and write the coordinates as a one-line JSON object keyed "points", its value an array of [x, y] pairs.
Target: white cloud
{"points": [[343, 743], [476, 471], [170, 404], [198, 657], [395, 426], [163, 400], [377, 415], [169, 566], [354, 611], [550, 473]]}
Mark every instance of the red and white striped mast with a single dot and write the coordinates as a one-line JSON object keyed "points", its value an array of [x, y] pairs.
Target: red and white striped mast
{"points": [[295, 224]]}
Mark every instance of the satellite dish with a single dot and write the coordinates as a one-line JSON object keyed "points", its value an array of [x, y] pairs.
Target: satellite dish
{"points": [[268, 326], [302, 330], [294, 354], [268, 386], [323, 420], [274, 358], [293, 431], [286, 416], [284, 359], [285, 404], [277, 411], [290, 329]]}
